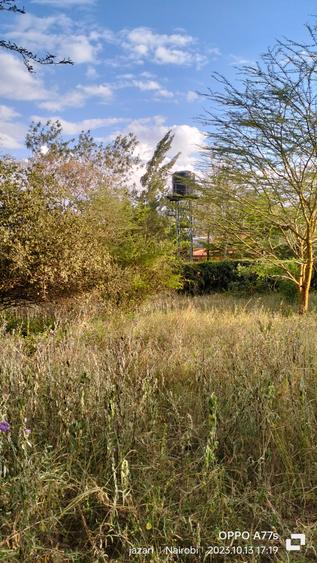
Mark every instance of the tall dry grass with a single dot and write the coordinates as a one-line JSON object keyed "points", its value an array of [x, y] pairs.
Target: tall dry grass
{"points": [[156, 427]]}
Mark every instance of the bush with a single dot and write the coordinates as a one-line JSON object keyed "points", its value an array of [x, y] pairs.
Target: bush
{"points": [[55, 244], [211, 277], [243, 276]]}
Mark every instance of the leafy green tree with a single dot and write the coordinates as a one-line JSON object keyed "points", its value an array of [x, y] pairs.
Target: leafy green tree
{"points": [[152, 206], [68, 224], [154, 181], [46, 251], [236, 230], [81, 164], [152, 238], [263, 139]]}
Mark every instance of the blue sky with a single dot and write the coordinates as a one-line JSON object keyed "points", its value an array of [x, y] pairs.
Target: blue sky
{"points": [[138, 64]]}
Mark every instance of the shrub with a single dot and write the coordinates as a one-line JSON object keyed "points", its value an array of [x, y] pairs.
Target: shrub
{"points": [[211, 277], [243, 276]]}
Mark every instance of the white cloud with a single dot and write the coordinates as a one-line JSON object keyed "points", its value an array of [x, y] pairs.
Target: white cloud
{"points": [[58, 102], [151, 86], [142, 43], [102, 91], [192, 96], [35, 29], [236, 60], [57, 34], [80, 49], [148, 131], [77, 97], [189, 141], [141, 49], [91, 72], [11, 133], [145, 36], [146, 85], [75, 127], [16, 82], [83, 42], [7, 113], [164, 55], [8, 138], [163, 93]]}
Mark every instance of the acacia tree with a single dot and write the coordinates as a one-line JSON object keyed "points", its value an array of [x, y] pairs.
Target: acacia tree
{"points": [[263, 146], [28, 56], [211, 222]]}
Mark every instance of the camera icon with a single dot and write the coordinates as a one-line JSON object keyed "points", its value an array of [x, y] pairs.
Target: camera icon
{"points": [[290, 546]]}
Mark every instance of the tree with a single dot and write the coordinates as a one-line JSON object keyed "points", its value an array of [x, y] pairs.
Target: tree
{"points": [[27, 55], [235, 222], [215, 237], [47, 250], [154, 181], [68, 224], [63, 215], [152, 204], [154, 235], [82, 165], [262, 143]]}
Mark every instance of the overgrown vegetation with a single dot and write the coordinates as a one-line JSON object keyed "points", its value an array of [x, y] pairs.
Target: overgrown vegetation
{"points": [[128, 420], [238, 276], [190, 416], [69, 224]]}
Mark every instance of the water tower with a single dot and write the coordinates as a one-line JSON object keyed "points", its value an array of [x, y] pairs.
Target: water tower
{"points": [[183, 184]]}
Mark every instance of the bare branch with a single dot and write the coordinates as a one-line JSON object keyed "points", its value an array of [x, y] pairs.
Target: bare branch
{"points": [[28, 56]]}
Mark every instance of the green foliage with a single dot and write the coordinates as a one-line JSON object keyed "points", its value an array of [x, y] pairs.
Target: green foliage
{"points": [[262, 155], [242, 276], [213, 276], [157, 171], [48, 135], [69, 224], [271, 277], [47, 248]]}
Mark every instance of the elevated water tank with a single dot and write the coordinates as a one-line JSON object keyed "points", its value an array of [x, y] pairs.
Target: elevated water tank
{"points": [[183, 183]]}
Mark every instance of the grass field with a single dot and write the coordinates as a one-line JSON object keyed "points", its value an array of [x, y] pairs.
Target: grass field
{"points": [[159, 427]]}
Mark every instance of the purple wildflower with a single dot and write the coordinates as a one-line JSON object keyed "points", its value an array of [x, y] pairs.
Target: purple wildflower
{"points": [[5, 426], [26, 430]]}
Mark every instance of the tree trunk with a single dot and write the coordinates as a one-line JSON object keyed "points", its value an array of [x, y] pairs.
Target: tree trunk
{"points": [[305, 280], [208, 245], [303, 299]]}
